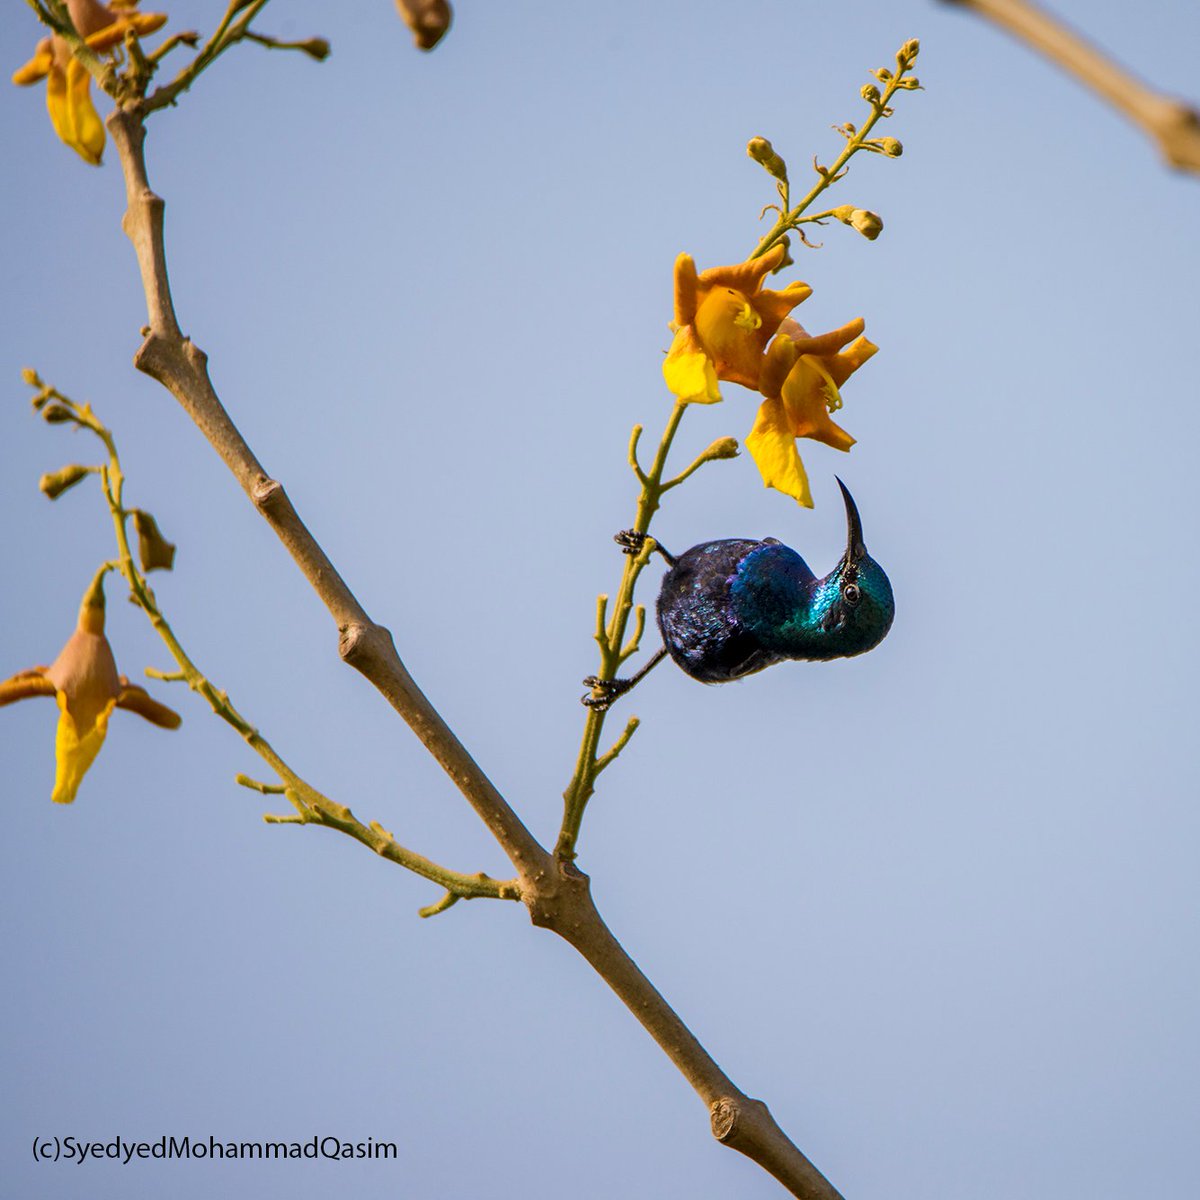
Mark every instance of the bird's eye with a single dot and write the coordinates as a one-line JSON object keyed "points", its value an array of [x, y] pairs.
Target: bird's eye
{"points": [[851, 593]]}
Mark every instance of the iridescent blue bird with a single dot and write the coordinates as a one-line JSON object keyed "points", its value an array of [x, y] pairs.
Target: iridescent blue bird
{"points": [[732, 607]]}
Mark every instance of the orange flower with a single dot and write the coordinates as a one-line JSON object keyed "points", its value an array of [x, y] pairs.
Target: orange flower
{"points": [[68, 82], [726, 314], [84, 681], [800, 379]]}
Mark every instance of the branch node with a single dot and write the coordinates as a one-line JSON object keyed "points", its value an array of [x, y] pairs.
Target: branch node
{"points": [[267, 494], [356, 641], [724, 1116]]}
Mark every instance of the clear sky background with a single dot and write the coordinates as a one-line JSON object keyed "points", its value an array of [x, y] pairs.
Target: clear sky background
{"points": [[938, 905]]}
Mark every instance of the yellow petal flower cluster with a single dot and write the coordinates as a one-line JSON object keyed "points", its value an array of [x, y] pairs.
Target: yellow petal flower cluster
{"points": [[68, 83], [83, 680], [729, 327]]}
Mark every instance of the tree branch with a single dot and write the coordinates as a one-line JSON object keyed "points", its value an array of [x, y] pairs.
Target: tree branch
{"points": [[555, 892], [739, 1122], [1173, 124], [181, 367]]}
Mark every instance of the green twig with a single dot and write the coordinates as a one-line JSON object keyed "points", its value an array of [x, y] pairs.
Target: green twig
{"points": [[233, 28], [312, 807], [856, 140], [611, 624]]}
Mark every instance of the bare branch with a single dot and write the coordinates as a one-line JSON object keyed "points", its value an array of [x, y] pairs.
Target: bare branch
{"points": [[181, 367], [1172, 123]]}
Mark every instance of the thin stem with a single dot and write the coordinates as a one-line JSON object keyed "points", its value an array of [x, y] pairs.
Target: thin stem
{"points": [[611, 639], [789, 218], [312, 807], [233, 27]]}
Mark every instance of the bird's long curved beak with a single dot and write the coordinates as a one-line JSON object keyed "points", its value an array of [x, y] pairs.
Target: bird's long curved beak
{"points": [[856, 549]]}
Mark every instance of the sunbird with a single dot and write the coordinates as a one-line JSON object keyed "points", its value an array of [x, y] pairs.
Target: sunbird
{"points": [[732, 607]]}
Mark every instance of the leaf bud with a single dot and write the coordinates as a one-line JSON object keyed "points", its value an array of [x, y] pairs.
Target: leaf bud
{"points": [[764, 154], [55, 483], [154, 551]]}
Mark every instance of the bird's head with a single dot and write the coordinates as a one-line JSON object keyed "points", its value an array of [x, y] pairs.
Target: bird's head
{"points": [[855, 598]]}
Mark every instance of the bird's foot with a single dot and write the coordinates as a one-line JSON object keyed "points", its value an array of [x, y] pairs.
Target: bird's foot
{"points": [[604, 691], [631, 541]]}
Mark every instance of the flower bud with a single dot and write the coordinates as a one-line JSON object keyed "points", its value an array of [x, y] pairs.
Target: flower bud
{"points": [[315, 47], [31, 377], [154, 551], [57, 414], [870, 93], [764, 154], [428, 20], [891, 147], [869, 224], [909, 50], [726, 447], [57, 482]]}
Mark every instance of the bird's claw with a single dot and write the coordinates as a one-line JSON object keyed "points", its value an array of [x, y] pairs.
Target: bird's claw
{"points": [[604, 692], [631, 541]]}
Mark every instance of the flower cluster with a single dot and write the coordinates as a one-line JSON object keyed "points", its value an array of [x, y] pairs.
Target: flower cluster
{"points": [[68, 82], [83, 680], [729, 327]]}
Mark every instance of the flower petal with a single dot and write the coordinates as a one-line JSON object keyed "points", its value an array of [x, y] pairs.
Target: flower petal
{"points": [[38, 67], [832, 342], [73, 754], [114, 34], [75, 120], [843, 364], [25, 684], [773, 447], [686, 296], [745, 276], [809, 394], [689, 371], [138, 700]]}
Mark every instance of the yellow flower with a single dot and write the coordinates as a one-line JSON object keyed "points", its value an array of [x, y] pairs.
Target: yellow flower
{"points": [[800, 379], [725, 314], [68, 82], [84, 681]]}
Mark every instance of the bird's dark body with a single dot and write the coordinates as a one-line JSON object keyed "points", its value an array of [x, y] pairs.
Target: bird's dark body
{"points": [[732, 607], [698, 615]]}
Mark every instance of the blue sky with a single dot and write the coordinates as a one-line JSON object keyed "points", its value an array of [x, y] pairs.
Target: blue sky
{"points": [[938, 905]]}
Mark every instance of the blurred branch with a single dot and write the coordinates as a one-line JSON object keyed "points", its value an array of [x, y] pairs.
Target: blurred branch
{"points": [[1172, 123], [557, 895]]}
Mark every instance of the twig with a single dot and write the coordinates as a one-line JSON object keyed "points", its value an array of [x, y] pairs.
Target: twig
{"points": [[1173, 124]]}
